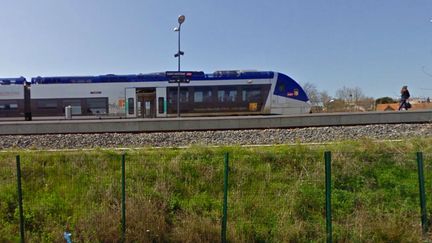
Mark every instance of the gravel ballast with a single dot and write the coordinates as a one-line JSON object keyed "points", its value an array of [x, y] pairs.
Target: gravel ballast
{"points": [[230, 137]]}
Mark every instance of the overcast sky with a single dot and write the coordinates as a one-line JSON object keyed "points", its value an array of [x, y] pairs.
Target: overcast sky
{"points": [[376, 45]]}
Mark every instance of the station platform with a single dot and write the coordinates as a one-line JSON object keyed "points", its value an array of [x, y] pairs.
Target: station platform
{"points": [[137, 125]]}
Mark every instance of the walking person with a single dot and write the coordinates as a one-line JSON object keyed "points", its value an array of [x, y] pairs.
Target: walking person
{"points": [[404, 104]]}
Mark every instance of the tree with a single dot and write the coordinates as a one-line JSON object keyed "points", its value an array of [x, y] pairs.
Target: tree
{"points": [[324, 97], [335, 105], [312, 93], [346, 99], [352, 95], [354, 99], [385, 100]]}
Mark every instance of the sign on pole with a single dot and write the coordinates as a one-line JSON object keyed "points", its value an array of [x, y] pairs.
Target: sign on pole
{"points": [[183, 76]]}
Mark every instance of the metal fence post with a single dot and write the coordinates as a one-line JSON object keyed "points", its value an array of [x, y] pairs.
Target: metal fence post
{"points": [[327, 157], [225, 200], [424, 219], [123, 236], [21, 215]]}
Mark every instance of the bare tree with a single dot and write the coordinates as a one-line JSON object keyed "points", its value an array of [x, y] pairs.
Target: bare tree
{"points": [[326, 101], [354, 99], [312, 93], [357, 94], [350, 94], [346, 99], [324, 97]]}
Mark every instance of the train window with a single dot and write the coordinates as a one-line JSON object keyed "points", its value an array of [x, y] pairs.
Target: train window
{"points": [[251, 95], [203, 95], [227, 95], [184, 95], [97, 106], [131, 106], [198, 96], [172, 95], [8, 106], [75, 104], [161, 105], [47, 104], [281, 87]]}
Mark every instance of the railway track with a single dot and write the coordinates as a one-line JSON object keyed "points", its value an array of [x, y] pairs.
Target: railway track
{"points": [[283, 136]]}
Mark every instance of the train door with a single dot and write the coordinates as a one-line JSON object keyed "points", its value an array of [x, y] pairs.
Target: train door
{"points": [[130, 104], [146, 98], [161, 102]]}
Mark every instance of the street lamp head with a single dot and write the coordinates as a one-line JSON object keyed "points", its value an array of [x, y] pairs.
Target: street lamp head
{"points": [[181, 19], [176, 29]]}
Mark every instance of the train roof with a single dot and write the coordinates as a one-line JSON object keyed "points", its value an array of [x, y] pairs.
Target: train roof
{"points": [[12, 81], [152, 77]]}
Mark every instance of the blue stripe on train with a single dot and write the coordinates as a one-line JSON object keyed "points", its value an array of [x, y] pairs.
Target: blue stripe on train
{"points": [[110, 78]]}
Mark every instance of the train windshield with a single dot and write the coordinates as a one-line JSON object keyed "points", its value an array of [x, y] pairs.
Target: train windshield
{"points": [[287, 87]]}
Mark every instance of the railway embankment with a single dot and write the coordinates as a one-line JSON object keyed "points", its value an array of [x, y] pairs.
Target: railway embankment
{"points": [[274, 193]]}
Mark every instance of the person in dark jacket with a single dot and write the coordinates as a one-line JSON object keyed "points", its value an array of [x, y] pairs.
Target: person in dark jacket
{"points": [[404, 98]]}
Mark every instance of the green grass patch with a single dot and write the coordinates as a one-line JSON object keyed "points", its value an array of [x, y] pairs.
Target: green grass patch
{"points": [[276, 194]]}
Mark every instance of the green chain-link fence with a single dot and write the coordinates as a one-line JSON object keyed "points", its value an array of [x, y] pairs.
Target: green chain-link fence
{"points": [[273, 195]]}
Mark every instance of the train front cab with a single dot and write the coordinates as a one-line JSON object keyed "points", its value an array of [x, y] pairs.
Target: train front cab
{"points": [[289, 97], [148, 102]]}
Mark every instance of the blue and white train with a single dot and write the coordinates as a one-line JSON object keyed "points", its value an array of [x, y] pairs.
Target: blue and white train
{"points": [[152, 95]]}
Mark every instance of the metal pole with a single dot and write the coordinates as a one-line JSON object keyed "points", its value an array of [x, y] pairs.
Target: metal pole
{"points": [[225, 201], [327, 157], [179, 30], [21, 215], [178, 81], [27, 102], [422, 193], [123, 198]]}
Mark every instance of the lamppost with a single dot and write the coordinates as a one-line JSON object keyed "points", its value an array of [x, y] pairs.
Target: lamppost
{"points": [[179, 53]]}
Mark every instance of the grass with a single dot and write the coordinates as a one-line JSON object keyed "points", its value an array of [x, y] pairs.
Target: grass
{"points": [[276, 194]]}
